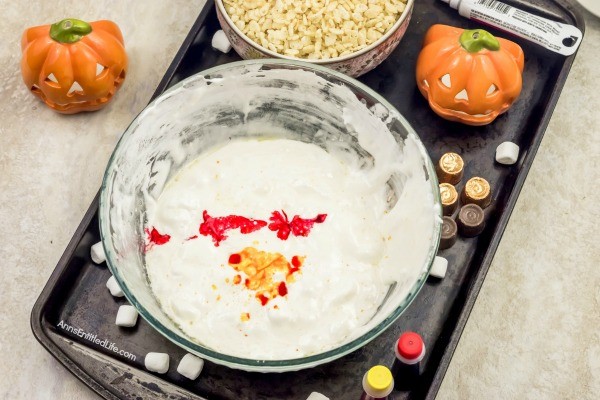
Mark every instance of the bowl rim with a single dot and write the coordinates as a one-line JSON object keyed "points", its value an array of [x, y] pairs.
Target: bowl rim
{"points": [[405, 14], [293, 364]]}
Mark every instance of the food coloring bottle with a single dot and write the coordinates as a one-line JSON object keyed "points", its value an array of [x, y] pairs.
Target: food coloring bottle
{"points": [[410, 350], [377, 383]]}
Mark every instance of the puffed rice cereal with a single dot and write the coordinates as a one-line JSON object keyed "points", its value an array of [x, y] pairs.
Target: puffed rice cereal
{"points": [[314, 29]]}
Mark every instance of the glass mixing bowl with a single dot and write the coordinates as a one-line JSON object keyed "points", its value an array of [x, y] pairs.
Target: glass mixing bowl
{"points": [[248, 99]]}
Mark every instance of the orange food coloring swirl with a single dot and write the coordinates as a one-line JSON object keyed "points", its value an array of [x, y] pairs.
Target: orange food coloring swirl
{"points": [[260, 268]]}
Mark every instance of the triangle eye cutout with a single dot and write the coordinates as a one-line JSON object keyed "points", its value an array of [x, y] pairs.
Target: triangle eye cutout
{"points": [[101, 70], [462, 95], [446, 81], [491, 90], [52, 81], [75, 88]]}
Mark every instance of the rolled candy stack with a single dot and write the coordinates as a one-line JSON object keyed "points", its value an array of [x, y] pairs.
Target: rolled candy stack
{"points": [[449, 197], [449, 233], [477, 191], [450, 168], [471, 220], [475, 196]]}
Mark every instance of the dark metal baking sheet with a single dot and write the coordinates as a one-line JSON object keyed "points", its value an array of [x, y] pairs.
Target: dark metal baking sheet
{"points": [[73, 317]]}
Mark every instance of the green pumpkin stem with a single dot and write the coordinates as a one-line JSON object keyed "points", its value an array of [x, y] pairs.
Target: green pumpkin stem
{"points": [[69, 30], [474, 40]]}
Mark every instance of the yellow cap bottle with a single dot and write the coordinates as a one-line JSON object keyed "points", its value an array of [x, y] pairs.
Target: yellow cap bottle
{"points": [[378, 383]]}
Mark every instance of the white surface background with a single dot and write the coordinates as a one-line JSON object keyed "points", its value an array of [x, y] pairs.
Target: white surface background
{"points": [[534, 331], [592, 6]]}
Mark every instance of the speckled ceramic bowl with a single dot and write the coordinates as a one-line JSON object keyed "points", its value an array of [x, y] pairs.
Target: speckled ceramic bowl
{"points": [[354, 64]]}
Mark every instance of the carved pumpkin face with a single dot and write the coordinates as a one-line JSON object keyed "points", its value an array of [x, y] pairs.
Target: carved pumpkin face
{"points": [[74, 66], [469, 76]]}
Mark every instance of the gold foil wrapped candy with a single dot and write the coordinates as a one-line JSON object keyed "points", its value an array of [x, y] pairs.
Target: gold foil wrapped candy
{"points": [[477, 191], [450, 168], [449, 197]]}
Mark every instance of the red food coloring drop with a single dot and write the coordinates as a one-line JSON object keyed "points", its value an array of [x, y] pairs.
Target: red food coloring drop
{"points": [[302, 226], [263, 299], [192, 237], [292, 269], [281, 224], [216, 227], [155, 238], [296, 262], [282, 289], [247, 282], [235, 259]]}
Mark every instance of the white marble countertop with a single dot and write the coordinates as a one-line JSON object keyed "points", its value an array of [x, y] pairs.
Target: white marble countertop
{"points": [[535, 329]]}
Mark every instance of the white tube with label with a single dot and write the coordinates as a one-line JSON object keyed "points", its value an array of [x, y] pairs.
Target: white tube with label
{"points": [[558, 37]]}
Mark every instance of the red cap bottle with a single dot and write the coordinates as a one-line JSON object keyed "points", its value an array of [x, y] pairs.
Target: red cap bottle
{"points": [[410, 350]]}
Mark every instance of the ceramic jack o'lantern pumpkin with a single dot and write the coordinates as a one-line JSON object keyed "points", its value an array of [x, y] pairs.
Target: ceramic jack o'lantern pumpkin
{"points": [[74, 66], [469, 76]]}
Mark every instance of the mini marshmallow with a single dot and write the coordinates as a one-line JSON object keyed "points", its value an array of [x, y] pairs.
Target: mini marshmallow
{"points": [[317, 396], [127, 316], [114, 287], [439, 267], [220, 42], [190, 366], [507, 153], [157, 362], [97, 253]]}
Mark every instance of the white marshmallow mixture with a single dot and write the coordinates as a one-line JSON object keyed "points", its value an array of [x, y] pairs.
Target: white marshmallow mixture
{"points": [[352, 258]]}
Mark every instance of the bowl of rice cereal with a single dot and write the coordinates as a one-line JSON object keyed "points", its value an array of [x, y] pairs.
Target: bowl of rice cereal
{"points": [[350, 36]]}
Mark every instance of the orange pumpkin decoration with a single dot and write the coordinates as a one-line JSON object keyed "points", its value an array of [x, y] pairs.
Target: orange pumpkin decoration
{"points": [[74, 66], [469, 76]]}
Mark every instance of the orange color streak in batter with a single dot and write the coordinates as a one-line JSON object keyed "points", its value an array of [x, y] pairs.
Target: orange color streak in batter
{"points": [[260, 267]]}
